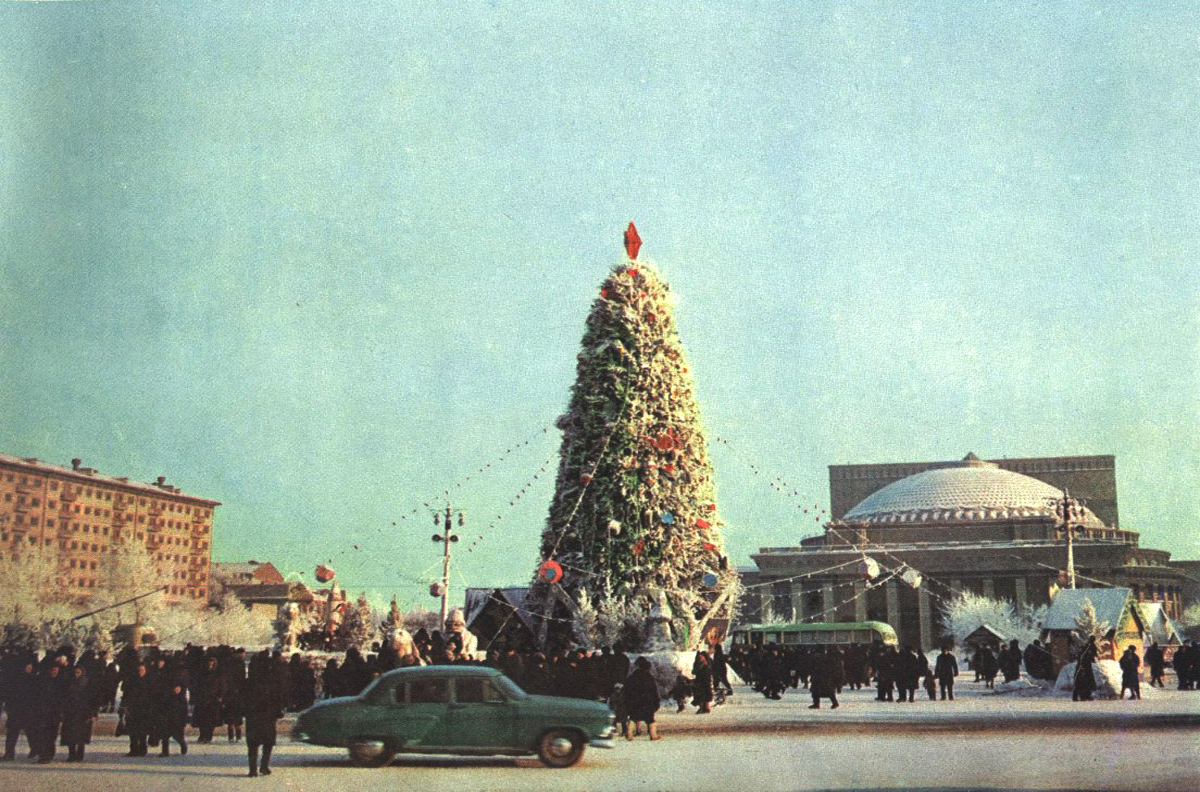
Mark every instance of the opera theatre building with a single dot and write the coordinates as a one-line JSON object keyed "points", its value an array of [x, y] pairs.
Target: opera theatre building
{"points": [[938, 528]]}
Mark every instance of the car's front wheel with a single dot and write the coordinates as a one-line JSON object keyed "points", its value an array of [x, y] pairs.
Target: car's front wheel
{"points": [[371, 753], [560, 748]]}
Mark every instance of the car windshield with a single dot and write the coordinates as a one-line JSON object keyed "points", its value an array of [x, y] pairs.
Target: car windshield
{"points": [[510, 688]]}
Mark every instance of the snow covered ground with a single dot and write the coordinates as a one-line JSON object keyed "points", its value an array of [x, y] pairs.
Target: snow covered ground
{"points": [[982, 740]]}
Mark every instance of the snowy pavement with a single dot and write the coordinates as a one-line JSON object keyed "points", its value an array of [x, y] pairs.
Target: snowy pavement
{"points": [[974, 708]]}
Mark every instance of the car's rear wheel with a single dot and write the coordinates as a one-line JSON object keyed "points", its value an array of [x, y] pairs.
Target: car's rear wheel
{"points": [[560, 748], [371, 752]]}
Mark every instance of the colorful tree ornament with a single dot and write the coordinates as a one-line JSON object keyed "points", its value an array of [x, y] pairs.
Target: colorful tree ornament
{"points": [[550, 572]]}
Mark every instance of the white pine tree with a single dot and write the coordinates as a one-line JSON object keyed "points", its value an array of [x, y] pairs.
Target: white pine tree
{"points": [[968, 611]]}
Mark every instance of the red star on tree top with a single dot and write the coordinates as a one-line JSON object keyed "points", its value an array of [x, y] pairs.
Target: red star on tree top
{"points": [[633, 242]]}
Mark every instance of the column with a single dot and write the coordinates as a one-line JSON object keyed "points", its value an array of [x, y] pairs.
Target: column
{"points": [[827, 603], [926, 619], [892, 590], [860, 601], [1022, 593], [797, 600], [955, 587], [989, 588]]}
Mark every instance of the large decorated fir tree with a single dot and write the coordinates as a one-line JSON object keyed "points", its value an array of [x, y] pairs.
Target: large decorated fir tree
{"points": [[634, 513]]}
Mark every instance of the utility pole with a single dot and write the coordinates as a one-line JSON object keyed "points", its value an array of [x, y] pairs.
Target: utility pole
{"points": [[445, 520]]}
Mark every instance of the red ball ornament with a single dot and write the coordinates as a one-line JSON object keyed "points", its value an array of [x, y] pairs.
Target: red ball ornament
{"points": [[550, 572]]}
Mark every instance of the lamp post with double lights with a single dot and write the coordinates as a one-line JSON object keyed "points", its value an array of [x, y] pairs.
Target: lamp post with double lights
{"points": [[1069, 513], [445, 521]]}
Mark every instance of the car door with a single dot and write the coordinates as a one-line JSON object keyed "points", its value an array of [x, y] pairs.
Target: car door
{"points": [[418, 718], [480, 716]]}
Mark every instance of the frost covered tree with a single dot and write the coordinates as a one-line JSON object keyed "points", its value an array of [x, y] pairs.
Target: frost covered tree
{"points": [[635, 508], [965, 613], [131, 571], [1190, 617], [358, 627], [1088, 626]]}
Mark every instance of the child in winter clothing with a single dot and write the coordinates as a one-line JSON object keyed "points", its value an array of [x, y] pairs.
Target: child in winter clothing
{"points": [[616, 703], [681, 691]]}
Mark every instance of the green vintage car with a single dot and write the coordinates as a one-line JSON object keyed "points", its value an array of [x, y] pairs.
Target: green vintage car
{"points": [[455, 710]]}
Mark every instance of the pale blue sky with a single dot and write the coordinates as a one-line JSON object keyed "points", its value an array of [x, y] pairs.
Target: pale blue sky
{"points": [[320, 261]]}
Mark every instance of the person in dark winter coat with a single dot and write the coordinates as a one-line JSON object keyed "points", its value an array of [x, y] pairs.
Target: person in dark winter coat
{"points": [[78, 714], [49, 711], [642, 698], [720, 668], [233, 708], [702, 684], [1084, 682], [908, 674], [210, 693], [946, 669], [1156, 662], [265, 702], [138, 704], [21, 705], [174, 719], [1010, 661], [886, 663], [821, 681], [1130, 663], [988, 667]]}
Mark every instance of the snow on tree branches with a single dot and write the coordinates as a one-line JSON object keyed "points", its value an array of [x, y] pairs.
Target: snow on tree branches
{"points": [[635, 508], [968, 611]]}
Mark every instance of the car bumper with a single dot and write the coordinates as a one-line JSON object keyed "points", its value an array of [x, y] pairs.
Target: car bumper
{"points": [[604, 739]]}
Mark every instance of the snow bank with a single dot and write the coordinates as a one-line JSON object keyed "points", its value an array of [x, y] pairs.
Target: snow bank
{"points": [[1108, 680], [1022, 686]]}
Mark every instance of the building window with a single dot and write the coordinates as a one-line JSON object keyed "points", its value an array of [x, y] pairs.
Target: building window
{"points": [[53, 485], [33, 520], [34, 502]]}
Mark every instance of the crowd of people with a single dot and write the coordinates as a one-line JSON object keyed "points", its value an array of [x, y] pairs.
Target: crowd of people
{"points": [[54, 699]]}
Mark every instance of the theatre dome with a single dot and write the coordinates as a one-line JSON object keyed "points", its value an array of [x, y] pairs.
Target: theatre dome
{"points": [[971, 491]]}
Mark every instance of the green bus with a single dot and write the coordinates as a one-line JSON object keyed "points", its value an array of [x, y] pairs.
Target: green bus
{"points": [[813, 634]]}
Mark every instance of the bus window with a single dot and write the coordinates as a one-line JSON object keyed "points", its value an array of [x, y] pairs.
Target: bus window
{"points": [[808, 638], [792, 638], [841, 636]]}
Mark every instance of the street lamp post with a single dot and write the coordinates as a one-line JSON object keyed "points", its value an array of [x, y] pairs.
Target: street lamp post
{"points": [[1067, 510], [445, 520]]}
